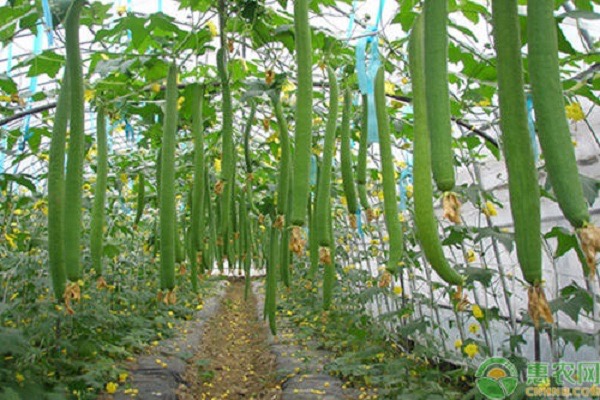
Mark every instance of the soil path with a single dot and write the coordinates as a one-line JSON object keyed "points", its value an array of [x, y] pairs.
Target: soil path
{"points": [[234, 361]]}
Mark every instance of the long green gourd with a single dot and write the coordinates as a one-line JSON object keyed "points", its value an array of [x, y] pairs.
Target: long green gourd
{"points": [[425, 222], [168, 213], [197, 221], [346, 160], [97, 224], [313, 240], [179, 242], [435, 14], [284, 165], [549, 105], [141, 198], [212, 228], [271, 297], [323, 203], [390, 201], [74, 174], [244, 239], [227, 167], [361, 166], [56, 191], [304, 105], [522, 175], [283, 189]]}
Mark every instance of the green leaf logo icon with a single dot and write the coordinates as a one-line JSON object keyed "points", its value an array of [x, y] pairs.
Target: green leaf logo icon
{"points": [[497, 378]]}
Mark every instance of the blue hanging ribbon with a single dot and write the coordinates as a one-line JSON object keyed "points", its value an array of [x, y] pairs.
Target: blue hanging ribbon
{"points": [[160, 5], [48, 21], [37, 49], [534, 143], [129, 132], [366, 79], [313, 170], [366, 73], [3, 142], [351, 22]]}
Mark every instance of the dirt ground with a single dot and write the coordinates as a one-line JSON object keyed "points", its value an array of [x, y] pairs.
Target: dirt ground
{"points": [[234, 361]]}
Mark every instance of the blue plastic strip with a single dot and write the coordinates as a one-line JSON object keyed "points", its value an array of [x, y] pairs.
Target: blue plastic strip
{"points": [[160, 5], [129, 9], [313, 170], [37, 49], [9, 60], [379, 13], [48, 22], [351, 22], [366, 73], [129, 133], [534, 143]]}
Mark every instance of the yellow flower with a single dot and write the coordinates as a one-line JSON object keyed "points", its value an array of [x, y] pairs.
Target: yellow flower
{"points": [[19, 377], [124, 178], [398, 290], [10, 239], [155, 87], [180, 102], [484, 103], [409, 190], [477, 313], [471, 257], [111, 387], [490, 209], [471, 350], [212, 28], [473, 328], [390, 88], [458, 344], [288, 86], [217, 164], [123, 376], [88, 95], [121, 10], [574, 111], [317, 121]]}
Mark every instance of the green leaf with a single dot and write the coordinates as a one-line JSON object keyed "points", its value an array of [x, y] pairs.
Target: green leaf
{"points": [[47, 62], [575, 337], [479, 274], [566, 240], [505, 238], [572, 301], [7, 85], [590, 188], [20, 179]]}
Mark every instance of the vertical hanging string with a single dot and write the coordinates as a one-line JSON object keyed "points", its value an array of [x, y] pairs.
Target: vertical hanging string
{"points": [[37, 49], [3, 140], [351, 21], [48, 22], [530, 120], [366, 73], [160, 5]]}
